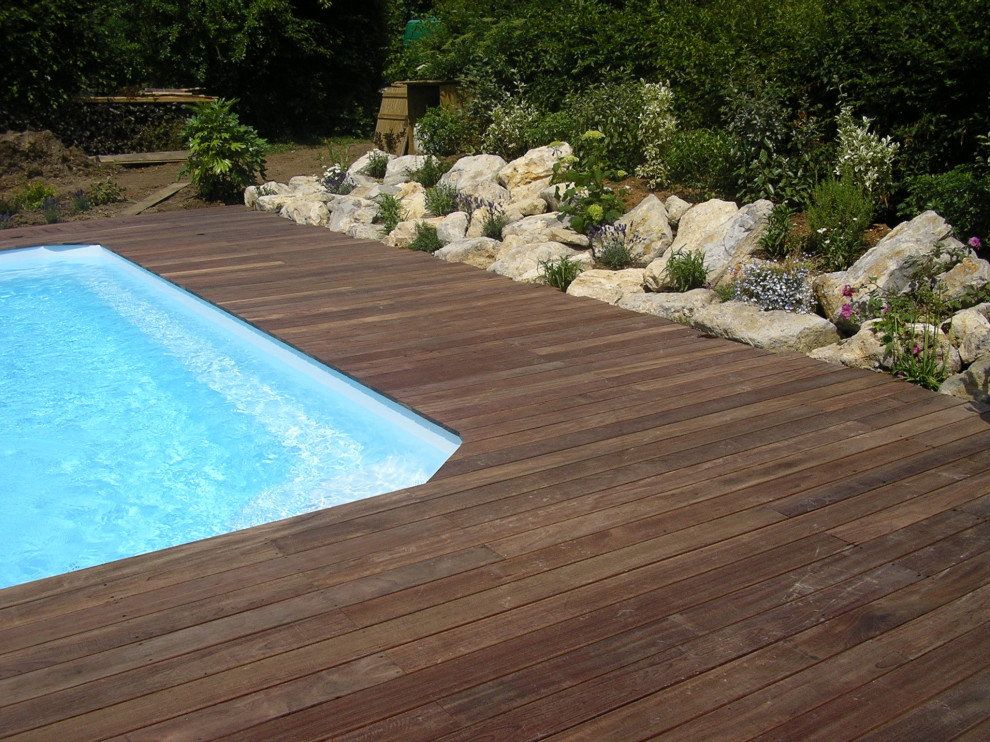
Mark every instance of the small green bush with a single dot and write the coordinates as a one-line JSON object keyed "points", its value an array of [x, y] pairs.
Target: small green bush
{"points": [[335, 180], [80, 201], [6, 220], [441, 199], [779, 241], [959, 196], [33, 196], [389, 212], [559, 273], [377, 164], [494, 220], [509, 134], [50, 207], [610, 246], [838, 217], [426, 239], [428, 174], [699, 159], [225, 156], [587, 200], [106, 191], [618, 110], [446, 130], [686, 270]]}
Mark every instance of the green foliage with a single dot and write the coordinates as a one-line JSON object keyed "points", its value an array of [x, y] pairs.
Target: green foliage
{"points": [[960, 196], [509, 135], [779, 240], [699, 159], [863, 158], [428, 174], [610, 246], [838, 217], [225, 156], [494, 220], [447, 130], [656, 128], [50, 208], [335, 180], [616, 108], [80, 201], [389, 212], [426, 239], [33, 195], [377, 164], [441, 199], [105, 192], [559, 273], [587, 200], [686, 270]]}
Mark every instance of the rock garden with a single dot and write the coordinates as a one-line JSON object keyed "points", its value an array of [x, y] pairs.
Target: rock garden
{"points": [[916, 304]]}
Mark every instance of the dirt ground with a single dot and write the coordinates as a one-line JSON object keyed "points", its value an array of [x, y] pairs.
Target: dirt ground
{"points": [[32, 157]]}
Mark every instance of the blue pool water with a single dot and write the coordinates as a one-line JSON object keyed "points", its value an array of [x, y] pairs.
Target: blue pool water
{"points": [[135, 417]]}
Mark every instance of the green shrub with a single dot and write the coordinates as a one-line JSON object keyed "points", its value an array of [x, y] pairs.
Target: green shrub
{"points": [[335, 180], [225, 156], [389, 212], [32, 196], [610, 246], [80, 201], [615, 108], [50, 208], [428, 174], [863, 158], [441, 199], [559, 273], [656, 127], [106, 191], [447, 130], [686, 270], [959, 196], [377, 164], [587, 200], [494, 220], [838, 217], [779, 241], [6, 219], [426, 239], [509, 133], [699, 159]]}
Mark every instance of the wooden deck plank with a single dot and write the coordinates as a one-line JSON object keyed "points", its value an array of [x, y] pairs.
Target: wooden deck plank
{"points": [[646, 533]]}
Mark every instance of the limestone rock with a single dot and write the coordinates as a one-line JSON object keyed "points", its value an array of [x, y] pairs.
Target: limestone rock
{"points": [[970, 333], [398, 168], [972, 384], [412, 197], [348, 210], [862, 350], [305, 211], [607, 286], [476, 251], [891, 262], [357, 167], [271, 204], [676, 208], [530, 190], [648, 233], [521, 262], [701, 228], [250, 196], [517, 210], [535, 165], [777, 330], [675, 307], [405, 231], [474, 176], [453, 227], [569, 237], [362, 231], [971, 273], [535, 228], [739, 242]]}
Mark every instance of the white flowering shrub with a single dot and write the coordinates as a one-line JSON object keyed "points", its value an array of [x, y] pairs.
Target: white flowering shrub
{"points": [[776, 286], [335, 180], [864, 158], [508, 133], [656, 127]]}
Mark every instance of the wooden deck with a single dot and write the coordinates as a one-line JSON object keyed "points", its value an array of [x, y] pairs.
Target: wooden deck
{"points": [[647, 533]]}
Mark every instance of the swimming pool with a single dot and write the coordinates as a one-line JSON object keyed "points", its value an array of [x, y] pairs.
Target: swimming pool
{"points": [[134, 416]]}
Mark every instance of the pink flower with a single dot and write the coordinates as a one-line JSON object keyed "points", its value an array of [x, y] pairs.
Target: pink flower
{"points": [[846, 311], [975, 243], [885, 308], [847, 291], [917, 350]]}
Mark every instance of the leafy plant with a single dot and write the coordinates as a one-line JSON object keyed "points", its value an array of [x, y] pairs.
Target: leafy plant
{"points": [[779, 240], [335, 180], [428, 174], [377, 164], [426, 239], [105, 192], [699, 159], [587, 200], [80, 202], [446, 130], [610, 246], [656, 127], [6, 220], [686, 270], [389, 212], [616, 108], [864, 159], [441, 199], [509, 133], [50, 208], [559, 273], [494, 220], [838, 217], [33, 196], [960, 196], [784, 286], [225, 156]]}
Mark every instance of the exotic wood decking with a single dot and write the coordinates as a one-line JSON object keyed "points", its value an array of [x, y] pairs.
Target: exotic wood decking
{"points": [[647, 533]]}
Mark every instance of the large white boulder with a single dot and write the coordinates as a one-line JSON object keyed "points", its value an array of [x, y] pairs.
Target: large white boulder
{"points": [[522, 262], [970, 274], [535, 165], [405, 231], [648, 233], [357, 167], [972, 384], [476, 176], [862, 350], [398, 169], [607, 286], [348, 211], [776, 330], [477, 251], [675, 307], [700, 229], [453, 227], [970, 333], [412, 198], [306, 211]]}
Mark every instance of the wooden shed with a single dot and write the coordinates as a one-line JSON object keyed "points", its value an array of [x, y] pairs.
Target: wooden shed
{"points": [[403, 103]]}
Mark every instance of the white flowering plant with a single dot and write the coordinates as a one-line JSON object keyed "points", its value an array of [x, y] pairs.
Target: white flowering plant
{"points": [[771, 286], [657, 125], [586, 199], [335, 180], [864, 158]]}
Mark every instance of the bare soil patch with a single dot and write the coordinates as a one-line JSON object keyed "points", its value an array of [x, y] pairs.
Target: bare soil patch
{"points": [[27, 158]]}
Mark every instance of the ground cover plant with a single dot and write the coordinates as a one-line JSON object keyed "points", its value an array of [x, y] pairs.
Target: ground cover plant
{"points": [[559, 273], [686, 270], [426, 239]]}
